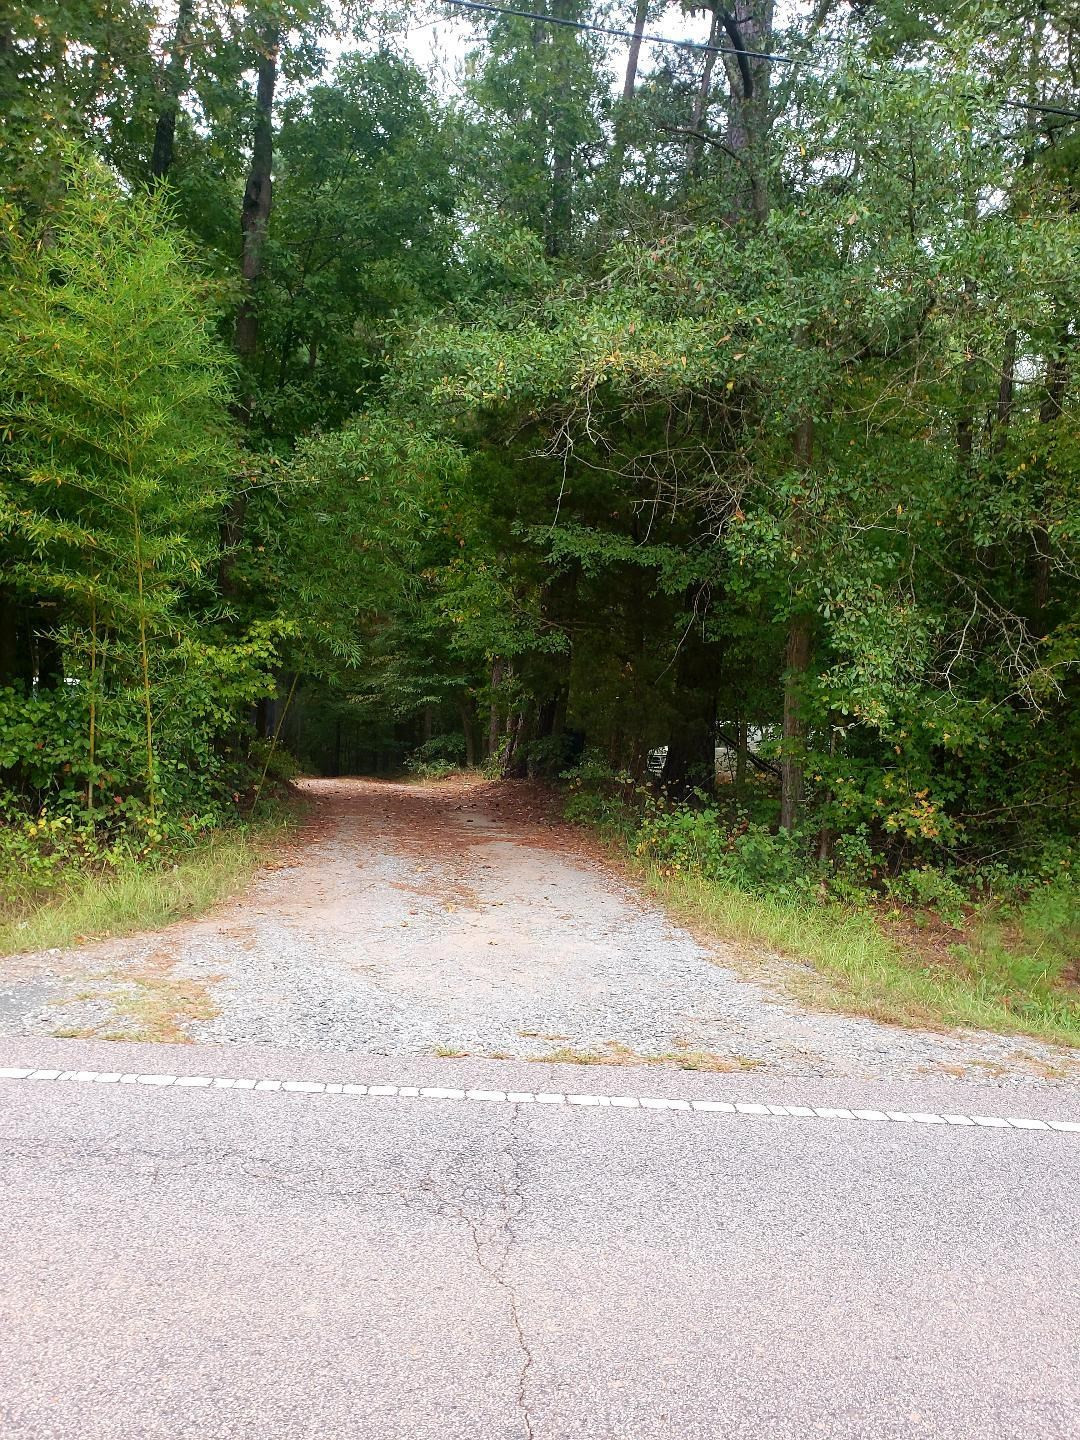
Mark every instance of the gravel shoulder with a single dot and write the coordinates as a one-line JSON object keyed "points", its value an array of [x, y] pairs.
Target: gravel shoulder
{"points": [[459, 919]]}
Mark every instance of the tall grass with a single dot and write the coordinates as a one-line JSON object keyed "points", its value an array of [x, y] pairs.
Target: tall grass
{"points": [[136, 896], [1000, 980]]}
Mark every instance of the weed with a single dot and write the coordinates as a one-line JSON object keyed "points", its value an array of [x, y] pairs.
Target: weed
{"points": [[135, 895], [682, 1058], [567, 1055], [858, 969], [705, 1060]]}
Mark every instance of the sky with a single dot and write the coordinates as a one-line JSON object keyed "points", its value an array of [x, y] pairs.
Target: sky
{"points": [[439, 41], [438, 38]]}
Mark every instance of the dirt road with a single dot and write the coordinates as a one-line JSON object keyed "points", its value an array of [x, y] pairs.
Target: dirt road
{"points": [[461, 919]]}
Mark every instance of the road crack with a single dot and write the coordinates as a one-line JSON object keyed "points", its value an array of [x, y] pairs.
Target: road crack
{"points": [[493, 1249]]}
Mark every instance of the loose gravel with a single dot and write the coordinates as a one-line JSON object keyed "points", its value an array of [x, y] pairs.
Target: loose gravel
{"points": [[421, 920]]}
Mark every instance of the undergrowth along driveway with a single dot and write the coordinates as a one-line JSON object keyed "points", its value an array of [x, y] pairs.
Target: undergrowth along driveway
{"points": [[852, 966], [106, 901]]}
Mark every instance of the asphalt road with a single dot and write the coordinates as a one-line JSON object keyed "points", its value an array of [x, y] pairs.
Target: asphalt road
{"points": [[211, 1263]]}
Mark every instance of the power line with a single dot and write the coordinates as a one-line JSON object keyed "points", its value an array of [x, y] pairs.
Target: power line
{"points": [[695, 45], [623, 34]]}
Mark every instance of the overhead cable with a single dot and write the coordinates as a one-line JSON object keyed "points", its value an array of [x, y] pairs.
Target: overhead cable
{"points": [[649, 39]]}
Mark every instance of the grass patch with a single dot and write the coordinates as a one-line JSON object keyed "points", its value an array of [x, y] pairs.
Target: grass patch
{"points": [[567, 1055], [157, 1008], [137, 896], [709, 1060], [1008, 976]]}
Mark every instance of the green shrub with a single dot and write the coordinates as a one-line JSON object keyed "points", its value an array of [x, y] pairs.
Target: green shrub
{"points": [[607, 813], [550, 755], [281, 765], [750, 857], [49, 766], [430, 769], [443, 747], [935, 890]]}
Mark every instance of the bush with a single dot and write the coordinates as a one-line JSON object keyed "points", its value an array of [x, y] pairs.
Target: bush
{"points": [[442, 747], [47, 765], [856, 867], [934, 890], [281, 765], [600, 796], [430, 769], [553, 754], [749, 857], [42, 853], [438, 757], [607, 813]]}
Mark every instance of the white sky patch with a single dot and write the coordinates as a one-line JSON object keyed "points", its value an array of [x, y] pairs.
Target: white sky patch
{"points": [[439, 39]]}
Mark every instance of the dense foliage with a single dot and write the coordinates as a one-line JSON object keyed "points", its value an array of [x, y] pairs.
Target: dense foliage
{"points": [[631, 403]]}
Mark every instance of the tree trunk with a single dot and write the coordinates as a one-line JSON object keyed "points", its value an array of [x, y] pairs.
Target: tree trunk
{"points": [[749, 117], [1006, 393], [691, 753], [634, 53], [1057, 375], [560, 216], [797, 662], [740, 756], [9, 636], [254, 220], [691, 750], [493, 712], [511, 762], [826, 839], [175, 83], [618, 147], [965, 421], [468, 727], [47, 657], [695, 146], [258, 193]]}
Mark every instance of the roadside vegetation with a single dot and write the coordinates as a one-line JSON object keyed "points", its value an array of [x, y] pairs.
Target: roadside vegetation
{"points": [[71, 888], [982, 947]]}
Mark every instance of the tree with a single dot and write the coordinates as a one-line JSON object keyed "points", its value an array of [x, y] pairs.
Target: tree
{"points": [[363, 236], [537, 100], [117, 452], [174, 81], [743, 401]]}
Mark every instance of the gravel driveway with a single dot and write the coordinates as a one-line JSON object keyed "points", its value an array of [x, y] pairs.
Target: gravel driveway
{"points": [[459, 919]]}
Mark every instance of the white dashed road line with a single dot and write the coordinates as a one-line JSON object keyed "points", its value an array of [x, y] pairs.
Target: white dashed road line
{"points": [[530, 1097]]}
